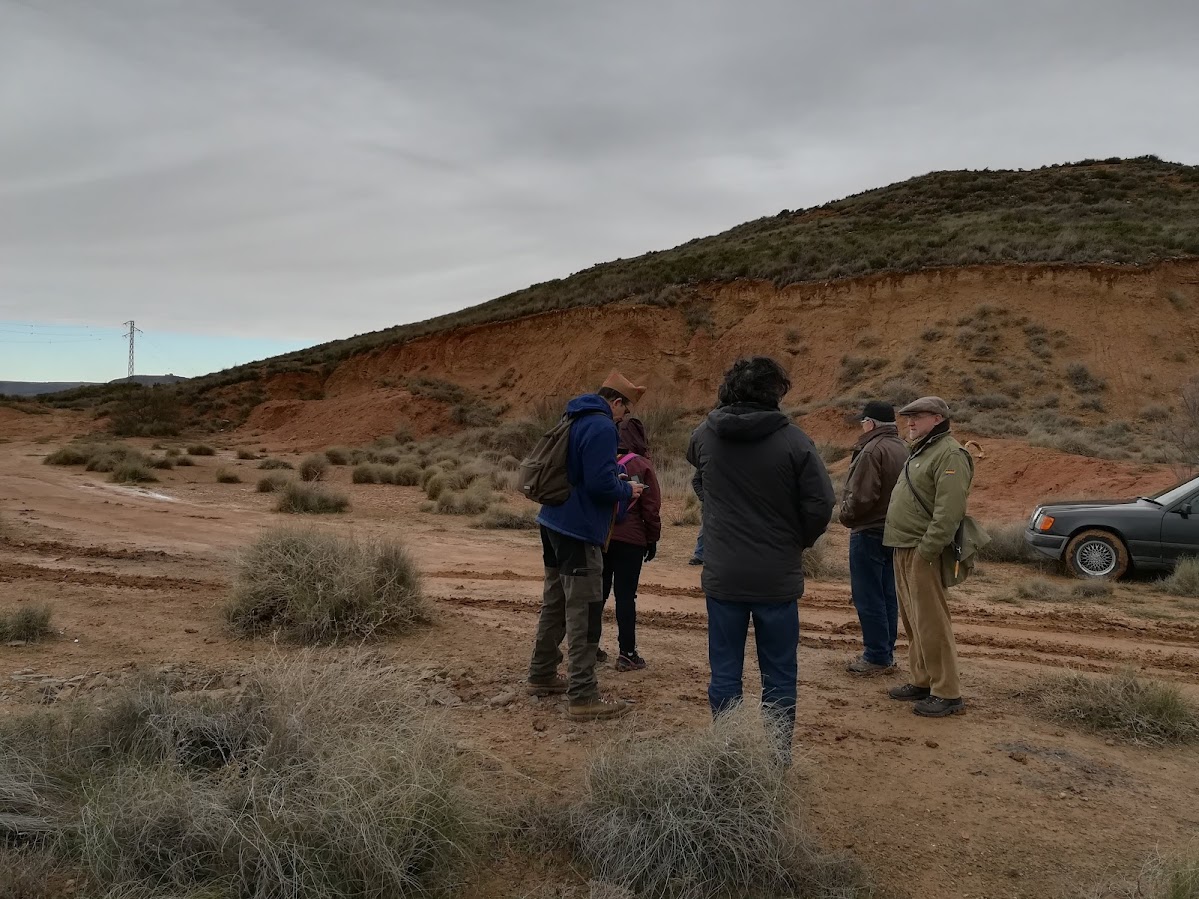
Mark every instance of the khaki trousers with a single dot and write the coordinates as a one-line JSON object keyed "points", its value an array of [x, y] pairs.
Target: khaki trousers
{"points": [[924, 610], [572, 606]]}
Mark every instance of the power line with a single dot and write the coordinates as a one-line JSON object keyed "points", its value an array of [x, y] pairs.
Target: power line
{"points": [[133, 330]]}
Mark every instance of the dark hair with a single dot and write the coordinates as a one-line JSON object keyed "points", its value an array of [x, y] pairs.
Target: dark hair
{"points": [[758, 380], [612, 395]]}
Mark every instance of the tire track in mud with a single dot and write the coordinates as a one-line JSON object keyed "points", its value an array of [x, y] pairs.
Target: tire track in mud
{"points": [[971, 644], [19, 571], [1083, 621], [63, 550]]}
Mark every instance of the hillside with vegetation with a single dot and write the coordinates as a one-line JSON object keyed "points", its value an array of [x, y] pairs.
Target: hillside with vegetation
{"points": [[1046, 301], [1127, 212]]}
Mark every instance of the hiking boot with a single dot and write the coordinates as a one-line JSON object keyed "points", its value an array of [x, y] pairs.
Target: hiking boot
{"points": [[863, 668], [597, 709], [909, 692], [601, 656], [630, 662], [936, 707], [695, 560], [546, 687]]}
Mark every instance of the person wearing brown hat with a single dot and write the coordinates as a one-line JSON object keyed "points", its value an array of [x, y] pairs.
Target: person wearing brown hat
{"points": [[877, 460], [573, 538], [927, 505]]}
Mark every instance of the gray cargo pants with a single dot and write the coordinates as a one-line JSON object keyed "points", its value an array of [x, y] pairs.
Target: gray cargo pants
{"points": [[572, 607]]}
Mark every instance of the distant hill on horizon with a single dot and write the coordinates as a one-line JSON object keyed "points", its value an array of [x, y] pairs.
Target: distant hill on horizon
{"points": [[38, 388]]}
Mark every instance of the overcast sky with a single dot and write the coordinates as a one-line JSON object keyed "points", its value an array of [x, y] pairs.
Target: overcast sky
{"points": [[293, 171]]}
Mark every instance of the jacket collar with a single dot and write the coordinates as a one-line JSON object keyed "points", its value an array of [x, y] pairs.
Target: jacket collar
{"points": [[930, 438], [879, 431]]}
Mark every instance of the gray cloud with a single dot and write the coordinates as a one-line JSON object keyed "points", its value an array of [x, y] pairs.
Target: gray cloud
{"points": [[311, 169]]}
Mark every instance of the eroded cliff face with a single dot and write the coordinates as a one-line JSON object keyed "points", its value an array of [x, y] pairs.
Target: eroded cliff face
{"points": [[1007, 332]]}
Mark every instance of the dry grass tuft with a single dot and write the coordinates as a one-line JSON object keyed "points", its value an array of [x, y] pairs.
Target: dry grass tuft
{"points": [[823, 562], [504, 518], [200, 449], [1137, 710], [29, 623], [703, 814], [691, 514], [1008, 544], [309, 499], [324, 781], [313, 468], [474, 499], [312, 587], [227, 476], [273, 483], [274, 465], [132, 472], [339, 455], [1185, 579]]}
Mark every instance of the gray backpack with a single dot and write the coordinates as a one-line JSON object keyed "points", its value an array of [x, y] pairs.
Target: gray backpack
{"points": [[543, 473]]}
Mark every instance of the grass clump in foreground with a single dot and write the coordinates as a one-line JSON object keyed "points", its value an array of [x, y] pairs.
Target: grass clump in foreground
{"points": [[703, 814], [1134, 709], [274, 465], [28, 623], [312, 587], [1185, 579], [200, 449], [322, 781], [1162, 877], [311, 500], [227, 476]]}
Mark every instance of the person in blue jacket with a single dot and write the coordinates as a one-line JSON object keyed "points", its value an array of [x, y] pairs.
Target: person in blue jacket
{"points": [[573, 538]]}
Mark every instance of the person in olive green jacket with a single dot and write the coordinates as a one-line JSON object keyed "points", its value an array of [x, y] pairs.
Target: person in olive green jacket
{"points": [[927, 505]]}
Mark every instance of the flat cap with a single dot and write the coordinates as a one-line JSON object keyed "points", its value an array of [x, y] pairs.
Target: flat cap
{"points": [[933, 404]]}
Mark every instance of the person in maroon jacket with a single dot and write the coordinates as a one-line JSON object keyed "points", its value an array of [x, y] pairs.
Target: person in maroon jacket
{"points": [[634, 540]]}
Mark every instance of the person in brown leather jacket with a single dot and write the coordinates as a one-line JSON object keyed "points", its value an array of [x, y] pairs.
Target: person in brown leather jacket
{"points": [[876, 465]]}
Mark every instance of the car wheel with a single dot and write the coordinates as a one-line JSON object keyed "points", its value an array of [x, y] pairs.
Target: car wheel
{"points": [[1096, 555]]}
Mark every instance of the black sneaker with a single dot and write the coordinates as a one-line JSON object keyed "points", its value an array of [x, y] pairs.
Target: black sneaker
{"points": [[936, 707], [630, 662], [695, 560], [909, 693], [601, 656]]}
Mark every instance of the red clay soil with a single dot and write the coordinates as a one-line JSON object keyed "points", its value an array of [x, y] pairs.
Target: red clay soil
{"points": [[1134, 327], [996, 802]]}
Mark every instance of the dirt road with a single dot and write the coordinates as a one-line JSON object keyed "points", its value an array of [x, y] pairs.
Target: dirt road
{"points": [[993, 803]]}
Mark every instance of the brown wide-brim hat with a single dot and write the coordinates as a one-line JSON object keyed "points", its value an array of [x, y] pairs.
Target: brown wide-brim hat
{"points": [[626, 388], [932, 404]]}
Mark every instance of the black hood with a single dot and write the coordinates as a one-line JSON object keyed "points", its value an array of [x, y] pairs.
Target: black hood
{"points": [[746, 422]]}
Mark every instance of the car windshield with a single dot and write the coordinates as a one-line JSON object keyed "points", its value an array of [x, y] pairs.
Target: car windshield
{"points": [[1172, 495]]}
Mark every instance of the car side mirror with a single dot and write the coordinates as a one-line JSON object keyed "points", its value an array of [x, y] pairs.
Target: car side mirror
{"points": [[1185, 510]]}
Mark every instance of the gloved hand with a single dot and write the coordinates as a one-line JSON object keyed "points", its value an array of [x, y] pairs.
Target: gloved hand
{"points": [[651, 550]]}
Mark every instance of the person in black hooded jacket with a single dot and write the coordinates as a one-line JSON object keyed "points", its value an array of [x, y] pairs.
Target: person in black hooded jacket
{"points": [[767, 498]]}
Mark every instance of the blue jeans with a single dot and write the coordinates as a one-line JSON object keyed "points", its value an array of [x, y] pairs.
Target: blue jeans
{"points": [[699, 544], [776, 634], [872, 580]]}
